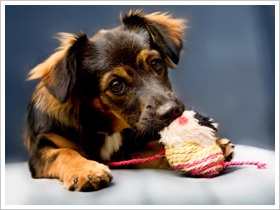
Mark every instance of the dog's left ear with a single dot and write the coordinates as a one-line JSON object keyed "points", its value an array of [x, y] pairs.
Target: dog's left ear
{"points": [[165, 32]]}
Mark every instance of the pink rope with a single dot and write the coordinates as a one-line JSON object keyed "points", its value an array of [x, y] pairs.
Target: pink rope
{"points": [[135, 161], [224, 164], [260, 165], [196, 171]]}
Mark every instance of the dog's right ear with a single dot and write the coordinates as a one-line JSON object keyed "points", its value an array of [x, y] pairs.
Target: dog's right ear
{"points": [[58, 72]]}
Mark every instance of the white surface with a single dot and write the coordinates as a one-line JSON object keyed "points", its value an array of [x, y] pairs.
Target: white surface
{"points": [[238, 185]]}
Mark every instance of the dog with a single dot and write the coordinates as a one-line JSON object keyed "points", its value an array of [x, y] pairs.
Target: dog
{"points": [[104, 98]]}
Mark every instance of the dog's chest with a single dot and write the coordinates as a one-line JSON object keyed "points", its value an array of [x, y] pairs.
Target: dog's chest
{"points": [[111, 145]]}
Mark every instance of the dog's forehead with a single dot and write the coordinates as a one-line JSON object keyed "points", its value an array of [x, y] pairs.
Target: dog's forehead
{"points": [[117, 47], [120, 36]]}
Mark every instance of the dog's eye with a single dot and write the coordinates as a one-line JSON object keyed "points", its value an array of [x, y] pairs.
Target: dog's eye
{"points": [[157, 65], [117, 86]]}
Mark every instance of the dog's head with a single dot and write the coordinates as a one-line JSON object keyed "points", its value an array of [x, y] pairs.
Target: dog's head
{"points": [[122, 72]]}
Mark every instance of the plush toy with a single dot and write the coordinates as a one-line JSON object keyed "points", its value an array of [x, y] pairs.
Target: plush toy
{"points": [[191, 148], [190, 145]]}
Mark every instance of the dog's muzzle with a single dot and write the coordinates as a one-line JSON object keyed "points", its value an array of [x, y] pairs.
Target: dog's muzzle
{"points": [[168, 112], [160, 111]]}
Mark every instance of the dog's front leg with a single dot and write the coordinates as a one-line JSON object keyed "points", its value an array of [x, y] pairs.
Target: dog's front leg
{"points": [[75, 171]]}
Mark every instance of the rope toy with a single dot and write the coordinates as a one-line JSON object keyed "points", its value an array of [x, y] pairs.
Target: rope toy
{"points": [[191, 148]]}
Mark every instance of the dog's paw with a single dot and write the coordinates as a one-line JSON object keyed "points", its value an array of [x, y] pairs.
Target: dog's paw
{"points": [[227, 148], [89, 176]]}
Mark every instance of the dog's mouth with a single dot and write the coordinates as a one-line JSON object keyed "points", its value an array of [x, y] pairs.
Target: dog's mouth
{"points": [[154, 119]]}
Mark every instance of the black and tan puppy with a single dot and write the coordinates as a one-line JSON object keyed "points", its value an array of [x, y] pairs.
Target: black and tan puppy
{"points": [[101, 99]]}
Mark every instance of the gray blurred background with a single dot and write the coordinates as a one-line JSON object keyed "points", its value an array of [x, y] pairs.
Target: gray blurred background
{"points": [[226, 72]]}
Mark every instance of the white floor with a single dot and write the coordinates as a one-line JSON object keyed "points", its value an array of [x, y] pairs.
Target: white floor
{"points": [[238, 185]]}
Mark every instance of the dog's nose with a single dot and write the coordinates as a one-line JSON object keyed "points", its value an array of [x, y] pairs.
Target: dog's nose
{"points": [[169, 111]]}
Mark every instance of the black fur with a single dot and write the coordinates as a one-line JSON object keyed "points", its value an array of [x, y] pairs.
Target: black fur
{"points": [[37, 162], [205, 121], [63, 77]]}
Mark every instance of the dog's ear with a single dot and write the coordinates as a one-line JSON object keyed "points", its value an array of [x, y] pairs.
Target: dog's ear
{"points": [[165, 32], [58, 72]]}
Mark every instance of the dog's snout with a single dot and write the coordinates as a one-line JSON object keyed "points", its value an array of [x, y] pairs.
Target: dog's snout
{"points": [[169, 111]]}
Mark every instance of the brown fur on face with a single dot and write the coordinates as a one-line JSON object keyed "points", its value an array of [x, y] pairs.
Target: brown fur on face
{"points": [[118, 123], [145, 57]]}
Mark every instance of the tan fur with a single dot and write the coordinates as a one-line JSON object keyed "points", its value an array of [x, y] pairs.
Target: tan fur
{"points": [[97, 104], [145, 57], [142, 58], [50, 105], [27, 141], [109, 76], [172, 27], [70, 165], [117, 122]]}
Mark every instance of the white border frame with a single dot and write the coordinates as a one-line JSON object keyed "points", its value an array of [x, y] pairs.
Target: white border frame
{"points": [[4, 3]]}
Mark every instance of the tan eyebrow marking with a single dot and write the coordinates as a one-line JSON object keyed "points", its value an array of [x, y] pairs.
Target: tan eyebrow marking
{"points": [[114, 73], [145, 56]]}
